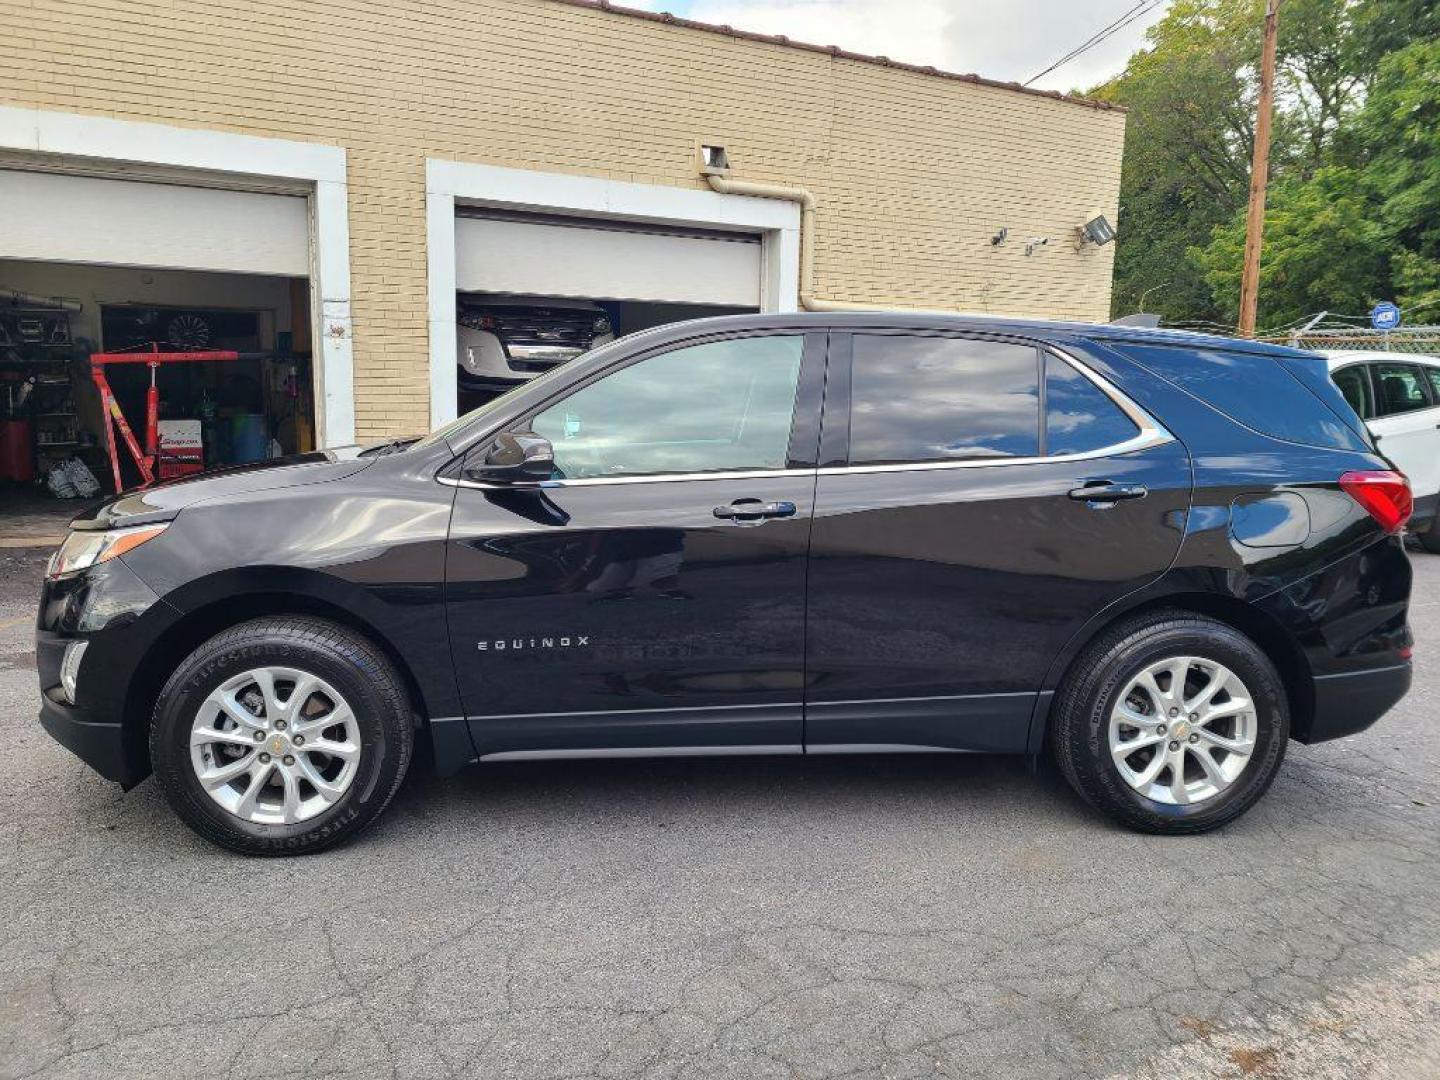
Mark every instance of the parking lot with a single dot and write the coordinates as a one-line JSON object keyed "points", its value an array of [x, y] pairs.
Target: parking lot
{"points": [[827, 917]]}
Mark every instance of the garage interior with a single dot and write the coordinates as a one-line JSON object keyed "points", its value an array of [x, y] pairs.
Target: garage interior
{"points": [[100, 266], [526, 281]]}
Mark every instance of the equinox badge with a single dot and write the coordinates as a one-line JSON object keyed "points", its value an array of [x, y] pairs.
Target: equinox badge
{"points": [[516, 644]]}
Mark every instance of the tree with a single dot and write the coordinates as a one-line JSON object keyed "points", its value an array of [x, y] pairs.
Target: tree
{"points": [[1362, 229], [1399, 133], [1323, 250], [1353, 163]]}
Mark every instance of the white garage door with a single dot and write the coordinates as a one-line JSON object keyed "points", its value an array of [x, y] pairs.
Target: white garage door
{"points": [[593, 260], [85, 219]]}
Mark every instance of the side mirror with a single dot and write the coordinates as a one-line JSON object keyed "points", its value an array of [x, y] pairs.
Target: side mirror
{"points": [[519, 457]]}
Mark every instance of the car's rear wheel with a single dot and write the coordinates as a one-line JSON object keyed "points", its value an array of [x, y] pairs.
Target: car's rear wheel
{"points": [[1171, 723], [281, 736]]}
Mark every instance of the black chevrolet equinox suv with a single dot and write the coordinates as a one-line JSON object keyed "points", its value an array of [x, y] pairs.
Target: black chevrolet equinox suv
{"points": [[1154, 555]]}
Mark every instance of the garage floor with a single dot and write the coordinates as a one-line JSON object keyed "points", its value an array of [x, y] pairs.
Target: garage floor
{"points": [[28, 519], [896, 917]]}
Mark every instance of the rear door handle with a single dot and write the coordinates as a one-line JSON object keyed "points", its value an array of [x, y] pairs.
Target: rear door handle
{"points": [[754, 510], [1103, 491]]}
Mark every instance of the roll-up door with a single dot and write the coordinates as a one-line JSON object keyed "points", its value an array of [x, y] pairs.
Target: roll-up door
{"points": [[604, 260], [83, 219]]}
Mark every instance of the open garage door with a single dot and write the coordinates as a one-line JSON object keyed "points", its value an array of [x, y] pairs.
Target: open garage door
{"points": [[86, 219], [217, 280], [535, 290], [501, 252]]}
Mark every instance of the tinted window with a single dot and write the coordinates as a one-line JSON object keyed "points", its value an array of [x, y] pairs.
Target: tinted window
{"points": [[942, 399], [1079, 416], [1400, 388], [721, 405], [1254, 389], [1354, 383], [1434, 373]]}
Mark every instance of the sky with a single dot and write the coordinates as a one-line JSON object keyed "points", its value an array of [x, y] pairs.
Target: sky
{"points": [[1011, 40]]}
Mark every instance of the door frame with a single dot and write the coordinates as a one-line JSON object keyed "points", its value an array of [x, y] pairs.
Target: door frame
{"points": [[554, 726], [1006, 714]]}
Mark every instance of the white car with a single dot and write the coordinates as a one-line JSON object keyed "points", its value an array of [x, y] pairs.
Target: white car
{"points": [[505, 340], [1398, 397]]}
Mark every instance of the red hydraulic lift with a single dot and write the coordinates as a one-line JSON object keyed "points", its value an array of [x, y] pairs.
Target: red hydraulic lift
{"points": [[148, 460]]}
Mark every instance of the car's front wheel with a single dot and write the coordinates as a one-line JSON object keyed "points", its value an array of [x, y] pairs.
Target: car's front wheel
{"points": [[1172, 723], [281, 736]]}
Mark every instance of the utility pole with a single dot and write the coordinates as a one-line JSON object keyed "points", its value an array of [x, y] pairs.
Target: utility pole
{"points": [[1259, 174]]}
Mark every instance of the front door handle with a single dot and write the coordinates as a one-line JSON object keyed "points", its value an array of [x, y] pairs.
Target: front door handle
{"points": [[1103, 491], [754, 510]]}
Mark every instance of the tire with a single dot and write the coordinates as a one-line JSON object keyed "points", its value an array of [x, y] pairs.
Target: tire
{"points": [[1430, 538], [371, 730], [1082, 731]]}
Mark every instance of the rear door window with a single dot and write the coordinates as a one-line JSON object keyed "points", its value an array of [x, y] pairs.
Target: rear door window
{"points": [[923, 399], [1354, 383], [1401, 388]]}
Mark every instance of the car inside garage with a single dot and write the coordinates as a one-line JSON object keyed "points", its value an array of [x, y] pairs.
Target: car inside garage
{"points": [[536, 290], [110, 286]]}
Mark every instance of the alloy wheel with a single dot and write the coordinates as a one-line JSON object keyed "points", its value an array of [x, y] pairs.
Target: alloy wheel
{"points": [[1183, 730], [275, 745]]}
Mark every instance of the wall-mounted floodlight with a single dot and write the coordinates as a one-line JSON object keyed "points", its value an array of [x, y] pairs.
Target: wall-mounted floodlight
{"points": [[1097, 231], [712, 160]]}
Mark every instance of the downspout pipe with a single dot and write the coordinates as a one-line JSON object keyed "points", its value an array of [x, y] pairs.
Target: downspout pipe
{"points": [[808, 299]]}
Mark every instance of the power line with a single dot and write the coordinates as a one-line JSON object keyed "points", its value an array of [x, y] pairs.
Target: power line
{"points": [[1139, 9]]}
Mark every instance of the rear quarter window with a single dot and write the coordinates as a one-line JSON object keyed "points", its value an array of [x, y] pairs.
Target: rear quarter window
{"points": [[1260, 392]]}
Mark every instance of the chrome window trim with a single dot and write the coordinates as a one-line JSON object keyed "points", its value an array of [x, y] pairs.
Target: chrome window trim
{"points": [[1151, 433], [1143, 441]]}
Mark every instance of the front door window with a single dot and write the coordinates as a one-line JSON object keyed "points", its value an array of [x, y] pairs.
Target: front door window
{"points": [[722, 406]]}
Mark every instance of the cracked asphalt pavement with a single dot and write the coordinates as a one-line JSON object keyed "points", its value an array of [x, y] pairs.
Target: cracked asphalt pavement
{"points": [[830, 917]]}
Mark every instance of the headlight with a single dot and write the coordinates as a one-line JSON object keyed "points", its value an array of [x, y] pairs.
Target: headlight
{"points": [[82, 550]]}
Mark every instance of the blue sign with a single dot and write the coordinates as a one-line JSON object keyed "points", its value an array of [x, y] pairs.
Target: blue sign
{"points": [[1385, 316]]}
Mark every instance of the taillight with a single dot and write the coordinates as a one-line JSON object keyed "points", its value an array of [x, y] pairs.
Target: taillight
{"points": [[1385, 494]]}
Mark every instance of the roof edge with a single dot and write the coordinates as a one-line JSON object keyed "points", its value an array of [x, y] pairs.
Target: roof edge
{"points": [[834, 50]]}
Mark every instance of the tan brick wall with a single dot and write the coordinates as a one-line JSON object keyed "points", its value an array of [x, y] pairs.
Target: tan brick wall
{"points": [[913, 173]]}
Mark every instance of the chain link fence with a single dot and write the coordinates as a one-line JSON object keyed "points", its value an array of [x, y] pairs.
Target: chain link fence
{"points": [[1421, 340]]}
